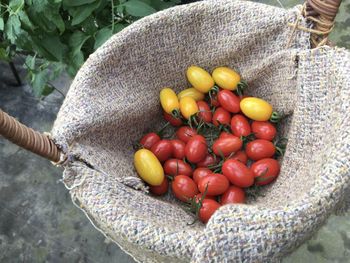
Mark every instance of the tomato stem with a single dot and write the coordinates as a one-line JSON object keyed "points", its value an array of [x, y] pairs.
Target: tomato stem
{"points": [[275, 117], [241, 86]]}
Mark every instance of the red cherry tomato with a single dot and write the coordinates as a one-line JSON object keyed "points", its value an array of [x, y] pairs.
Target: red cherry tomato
{"points": [[240, 156], [214, 100], [184, 188], [216, 184], [229, 101], [208, 209], [172, 120], [226, 146], [221, 116], [200, 173], [238, 173], [160, 189], [208, 160], [264, 130], [204, 113], [176, 167], [148, 140], [240, 125], [185, 133], [225, 134], [260, 149], [196, 149], [199, 197], [178, 148], [163, 150], [265, 170], [233, 195]]}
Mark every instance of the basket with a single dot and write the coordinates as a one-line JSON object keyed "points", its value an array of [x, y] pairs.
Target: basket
{"points": [[284, 56]]}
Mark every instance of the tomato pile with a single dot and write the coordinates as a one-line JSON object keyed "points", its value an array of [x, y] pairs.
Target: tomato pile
{"points": [[223, 143]]}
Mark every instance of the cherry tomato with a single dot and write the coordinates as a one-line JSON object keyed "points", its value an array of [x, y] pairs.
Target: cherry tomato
{"points": [[208, 160], [221, 116], [199, 79], [199, 197], [176, 167], [264, 130], [216, 184], [184, 188], [163, 150], [260, 149], [240, 156], [207, 210], [233, 195], [226, 78], [169, 100], [226, 146], [240, 125], [229, 101], [148, 167], [188, 107], [200, 173], [196, 149], [265, 170], [185, 133], [160, 189], [172, 120], [148, 140], [204, 113], [214, 100], [178, 149], [256, 109], [238, 173], [191, 92], [225, 134]]}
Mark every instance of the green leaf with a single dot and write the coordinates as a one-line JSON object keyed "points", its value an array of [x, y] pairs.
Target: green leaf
{"points": [[12, 28], [3, 54], [138, 8], [39, 81], [16, 5], [1, 24], [160, 5], [47, 90], [57, 20], [25, 20], [102, 36], [89, 25], [50, 47], [77, 40], [77, 2], [118, 27], [80, 13], [30, 62]]}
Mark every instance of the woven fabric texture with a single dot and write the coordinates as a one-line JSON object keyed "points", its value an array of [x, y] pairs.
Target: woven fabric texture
{"points": [[114, 100]]}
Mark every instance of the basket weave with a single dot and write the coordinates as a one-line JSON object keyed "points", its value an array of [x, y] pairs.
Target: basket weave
{"points": [[114, 100]]}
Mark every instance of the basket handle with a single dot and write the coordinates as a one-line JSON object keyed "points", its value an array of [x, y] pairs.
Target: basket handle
{"points": [[322, 13], [27, 138]]}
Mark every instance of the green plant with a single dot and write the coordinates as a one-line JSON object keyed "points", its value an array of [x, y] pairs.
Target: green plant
{"points": [[58, 35]]}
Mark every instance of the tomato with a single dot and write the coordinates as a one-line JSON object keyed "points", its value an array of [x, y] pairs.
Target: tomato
{"points": [[178, 148], [265, 170], [208, 160], [229, 101], [188, 107], [175, 167], [259, 149], [214, 100], [199, 197], [233, 195], [215, 184], [204, 113], [148, 167], [256, 109], [185, 133], [200, 173], [240, 125], [221, 116], [160, 189], [196, 149], [169, 100], [225, 134], [264, 130], [240, 156], [184, 188], [172, 120], [191, 92], [207, 210], [226, 146], [148, 140], [200, 79], [238, 173], [163, 150], [226, 78]]}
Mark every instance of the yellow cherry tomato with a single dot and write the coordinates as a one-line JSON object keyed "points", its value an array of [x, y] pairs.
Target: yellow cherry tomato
{"points": [[199, 79], [256, 109], [148, 167], [188, 107], [168, 100], [226, 78], [191, 92]]}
